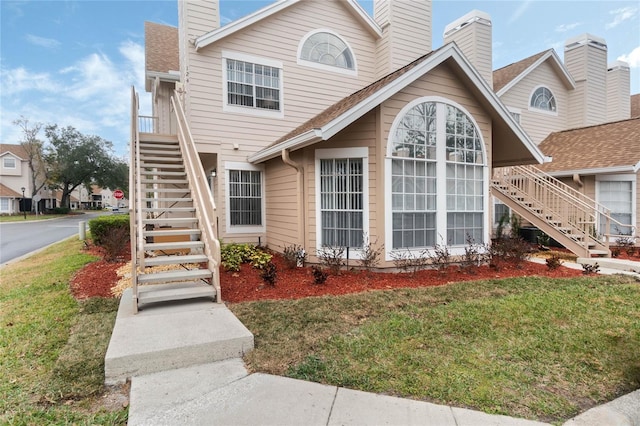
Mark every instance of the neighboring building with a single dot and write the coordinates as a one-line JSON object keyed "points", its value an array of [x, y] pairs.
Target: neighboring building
{"points": [[635, 105], [14, 175], [603, 162]]}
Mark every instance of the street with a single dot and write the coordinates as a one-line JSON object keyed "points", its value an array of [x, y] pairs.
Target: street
{"points": [[20, 238]]}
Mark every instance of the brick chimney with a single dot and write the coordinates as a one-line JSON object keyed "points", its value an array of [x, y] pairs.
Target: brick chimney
{"points": [[473, 35]]}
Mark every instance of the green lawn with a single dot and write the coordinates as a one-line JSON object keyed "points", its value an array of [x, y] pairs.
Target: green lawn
{"points": [[30, 217], [528, 347], [51, 346]]}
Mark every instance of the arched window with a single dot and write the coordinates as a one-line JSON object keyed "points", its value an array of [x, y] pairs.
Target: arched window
{"points": [[327, 49], [543, 99], [438, 184]]}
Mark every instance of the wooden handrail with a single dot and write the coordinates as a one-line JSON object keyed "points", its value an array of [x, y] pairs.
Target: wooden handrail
{"points": [[202, 198], [135, 207]]}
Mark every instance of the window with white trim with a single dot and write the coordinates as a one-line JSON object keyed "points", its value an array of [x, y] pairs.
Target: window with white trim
{"points": [[617, 196], [4, 204], [543, 99], [9, 162], [438, 184], [253, 85], [245, 200], [327, 49]]}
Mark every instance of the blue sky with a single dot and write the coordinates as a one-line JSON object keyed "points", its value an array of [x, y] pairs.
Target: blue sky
{"points": [[72, 62]]}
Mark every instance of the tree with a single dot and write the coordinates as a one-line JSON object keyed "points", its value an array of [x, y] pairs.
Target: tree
{"points": [[33, 147], [75, 159]]}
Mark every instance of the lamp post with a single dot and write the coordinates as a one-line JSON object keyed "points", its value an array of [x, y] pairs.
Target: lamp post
{"points": [[24, 208]]}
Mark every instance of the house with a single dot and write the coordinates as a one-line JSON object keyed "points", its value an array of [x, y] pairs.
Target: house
{"points": [[14, 178], [313, 132]]}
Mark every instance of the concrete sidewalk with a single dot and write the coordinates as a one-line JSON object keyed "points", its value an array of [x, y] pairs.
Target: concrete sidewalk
{"points": [[224, 394]]}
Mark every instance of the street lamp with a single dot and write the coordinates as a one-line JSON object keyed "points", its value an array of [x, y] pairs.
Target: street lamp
{"points": [[24, 208]]}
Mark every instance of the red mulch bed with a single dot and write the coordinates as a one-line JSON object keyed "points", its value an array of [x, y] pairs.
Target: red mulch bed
{"points": [[97, 278]]}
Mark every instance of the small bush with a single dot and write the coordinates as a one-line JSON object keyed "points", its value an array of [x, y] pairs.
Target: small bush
{"points": [[615, 251], [60, 210], [408, 261], [588, 269], [473, 255], [553, 262], [260, 259], [101, 227], [294, 255], [440, 257], [319, 276], [332, 258], [513, 250], [235, 254], [269, 274], [370, 256]]}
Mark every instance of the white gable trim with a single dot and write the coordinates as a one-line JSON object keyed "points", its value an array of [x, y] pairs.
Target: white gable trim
{"points": [[235, 26], [13, 155], [633, 168], [367, 104], [564, 73]]}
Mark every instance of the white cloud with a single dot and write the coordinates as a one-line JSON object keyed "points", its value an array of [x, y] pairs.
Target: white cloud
{"points": [[520, 11], [93, 94], [633, 58], [49, 43], [563, 28], [621, 15]]}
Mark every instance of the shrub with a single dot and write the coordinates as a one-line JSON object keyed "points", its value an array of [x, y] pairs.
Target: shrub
{"points": [[332, 258], [319, 276], [370, 256], [588, 269], [294, 255], [102, 226], [473, 255], [512, 250], [408, 261], [553, 262], [60, 210], [269, 274], [627, 244], [235, 254], [440, 257]]}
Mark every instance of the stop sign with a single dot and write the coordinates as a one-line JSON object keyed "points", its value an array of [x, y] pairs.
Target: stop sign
{"points": [[118, 194]]}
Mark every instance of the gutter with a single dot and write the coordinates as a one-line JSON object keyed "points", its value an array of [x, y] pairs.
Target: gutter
{"points": [[302, 224]]}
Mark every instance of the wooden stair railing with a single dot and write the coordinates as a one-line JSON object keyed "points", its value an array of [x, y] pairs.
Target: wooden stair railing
{"points": [[563, 213]]}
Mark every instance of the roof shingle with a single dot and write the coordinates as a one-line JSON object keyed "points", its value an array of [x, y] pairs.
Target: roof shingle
{"points": [[605, 145], [161, 48], [17, 150], [504, 75], [635, 105]]}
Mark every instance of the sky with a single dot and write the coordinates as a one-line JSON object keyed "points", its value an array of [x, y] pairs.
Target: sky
{"points": [[73, 62]]}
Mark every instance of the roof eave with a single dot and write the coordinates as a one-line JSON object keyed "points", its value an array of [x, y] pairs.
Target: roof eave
{"points": [[632, 168], [305, 139]]}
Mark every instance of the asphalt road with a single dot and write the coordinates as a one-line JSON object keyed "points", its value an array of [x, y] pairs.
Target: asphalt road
{"points": [[20, 238]]}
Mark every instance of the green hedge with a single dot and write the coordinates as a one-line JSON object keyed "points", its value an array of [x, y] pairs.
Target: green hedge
{"points": [[102, 226]]}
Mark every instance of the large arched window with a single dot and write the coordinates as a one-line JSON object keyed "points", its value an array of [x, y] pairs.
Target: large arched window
{"points": [[327, 49], [437, 177], [543, 99]]}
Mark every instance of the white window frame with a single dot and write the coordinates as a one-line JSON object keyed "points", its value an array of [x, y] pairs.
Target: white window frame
{"points": [[518, 112], [237, 56], [8, 205], [441, 176], [243, 229], [342, 153], [8, 157], [324, 67], [539, 110], [618, 178]]}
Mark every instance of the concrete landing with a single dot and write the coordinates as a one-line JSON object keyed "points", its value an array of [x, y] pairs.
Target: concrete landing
{"points": [[172, 335], [223, 393], [621, 265]]}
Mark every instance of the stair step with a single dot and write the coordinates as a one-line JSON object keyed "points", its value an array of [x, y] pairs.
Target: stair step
{"points": [[174, 190], [171, 232], [170, 210], [174, 245], [171, 220], [168, 199], [598, 252], [160, 152], [161, 166], [163, 181], [162, 173], [158, 138], [164, 145], [180, 276], [169, 292], [151, 159], [177, 260]]}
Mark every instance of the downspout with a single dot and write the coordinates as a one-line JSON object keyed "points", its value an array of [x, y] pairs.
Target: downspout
{"points": [[302, 224], [576, 179]]}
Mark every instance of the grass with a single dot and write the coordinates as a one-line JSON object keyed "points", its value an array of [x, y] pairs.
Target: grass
{"points": [[51, 346], [526, 347], [30, 217]]}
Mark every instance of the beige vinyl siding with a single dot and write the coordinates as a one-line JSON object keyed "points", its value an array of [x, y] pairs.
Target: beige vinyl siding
{"points": [[305, 90], [282, 191], [162, 109], [475, 41], [618, 83], [588, 66], [406, 33], [538, 124]]}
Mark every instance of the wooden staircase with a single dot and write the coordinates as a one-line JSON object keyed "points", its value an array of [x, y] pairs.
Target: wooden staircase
{"points": [[564, 214], [174, 249]]}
